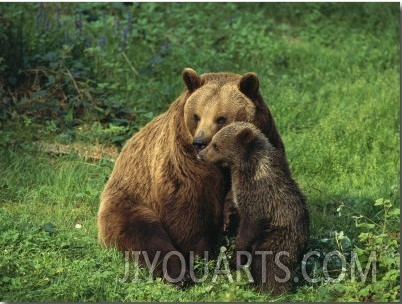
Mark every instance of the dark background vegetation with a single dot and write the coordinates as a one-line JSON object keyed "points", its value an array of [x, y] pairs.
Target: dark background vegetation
{"points": [[115, 63], [94, 73]]}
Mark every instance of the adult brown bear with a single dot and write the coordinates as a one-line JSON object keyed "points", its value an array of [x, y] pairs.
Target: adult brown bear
{"points": [[160, 198]]}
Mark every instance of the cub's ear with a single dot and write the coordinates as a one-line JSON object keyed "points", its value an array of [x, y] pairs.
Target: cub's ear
{"points": [[191, 79], [249, 85], [245, 136]]}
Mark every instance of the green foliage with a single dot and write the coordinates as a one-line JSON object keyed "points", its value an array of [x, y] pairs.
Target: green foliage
{"points": [[377, 253], [97, 72]]}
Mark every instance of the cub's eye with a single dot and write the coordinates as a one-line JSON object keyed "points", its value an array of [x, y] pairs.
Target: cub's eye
{"points": [[221, 120], [196, 117], [215, 146]]}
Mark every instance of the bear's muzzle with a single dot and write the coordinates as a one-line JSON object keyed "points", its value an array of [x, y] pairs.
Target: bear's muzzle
{"points": [[199, 144]]}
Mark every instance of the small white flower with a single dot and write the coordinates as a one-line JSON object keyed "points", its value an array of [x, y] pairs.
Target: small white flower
{"points": [[78, 226]]}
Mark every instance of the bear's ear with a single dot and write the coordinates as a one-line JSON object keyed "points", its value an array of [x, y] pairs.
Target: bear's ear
{"points": [[249, 85], [191, 79], [245, 136]]}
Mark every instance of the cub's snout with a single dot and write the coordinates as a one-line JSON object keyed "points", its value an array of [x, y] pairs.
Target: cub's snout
{"points": [[200, 155]]}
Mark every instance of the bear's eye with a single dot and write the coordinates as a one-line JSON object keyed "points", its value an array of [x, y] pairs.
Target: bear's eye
{"points": [[215, 146], [220, 120], [196, 117]]}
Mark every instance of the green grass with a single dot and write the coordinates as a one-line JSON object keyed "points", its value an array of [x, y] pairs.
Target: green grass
{"points": [[330, 74]]}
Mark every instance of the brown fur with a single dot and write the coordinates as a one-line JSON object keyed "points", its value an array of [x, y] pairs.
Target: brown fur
{"points": [[160, 197], [273, 215]]}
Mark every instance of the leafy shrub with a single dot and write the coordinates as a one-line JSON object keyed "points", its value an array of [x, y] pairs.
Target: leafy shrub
{"points": [[376, 252]]}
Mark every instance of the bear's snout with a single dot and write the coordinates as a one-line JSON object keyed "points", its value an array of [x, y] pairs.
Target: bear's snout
{"points": [[200, 156], [200, 140], [199, 144]]}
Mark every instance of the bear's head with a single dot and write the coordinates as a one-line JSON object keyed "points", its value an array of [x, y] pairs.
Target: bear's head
{"points": [[230, 145], [218, 99]]}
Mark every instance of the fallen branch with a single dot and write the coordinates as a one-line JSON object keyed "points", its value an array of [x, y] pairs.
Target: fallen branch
{"points": [[89, 152]]}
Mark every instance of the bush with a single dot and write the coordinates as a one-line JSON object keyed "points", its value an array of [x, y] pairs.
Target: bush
{"points": [[373, 260]]}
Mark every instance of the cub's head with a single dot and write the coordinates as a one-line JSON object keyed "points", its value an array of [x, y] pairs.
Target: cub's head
{"points": [[230, 145], [216, 100]]}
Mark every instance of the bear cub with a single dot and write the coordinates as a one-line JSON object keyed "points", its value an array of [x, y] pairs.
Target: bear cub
{"points": [[274, 222]]}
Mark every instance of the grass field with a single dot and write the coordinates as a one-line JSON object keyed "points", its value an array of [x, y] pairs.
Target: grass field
{"points": [[329, 72]]}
